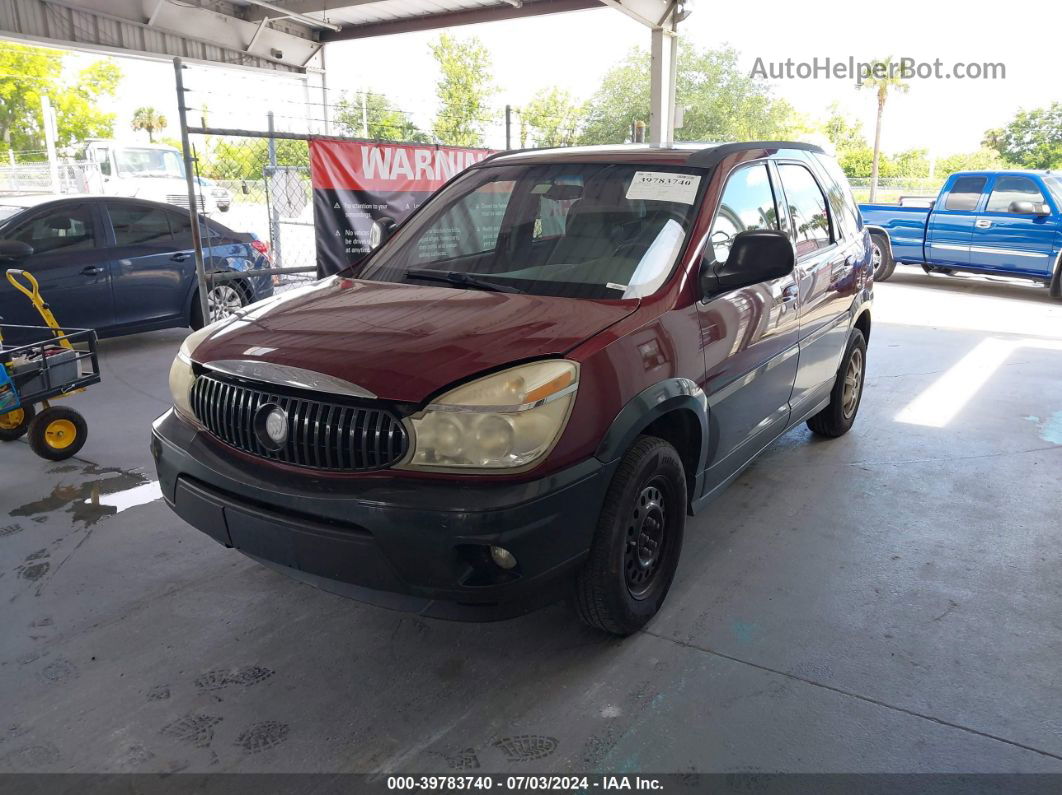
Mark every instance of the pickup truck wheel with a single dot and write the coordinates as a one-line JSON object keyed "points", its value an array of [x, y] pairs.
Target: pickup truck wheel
{"points": [[1056, 281], [839, 416], [881, 258], [637, 542]]}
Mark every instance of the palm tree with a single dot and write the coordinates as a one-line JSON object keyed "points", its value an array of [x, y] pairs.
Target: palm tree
{"points": [[149, 119], [882, 79]]}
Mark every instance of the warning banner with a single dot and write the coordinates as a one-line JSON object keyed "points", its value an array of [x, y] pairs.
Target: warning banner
{"points": [[355, 183]]}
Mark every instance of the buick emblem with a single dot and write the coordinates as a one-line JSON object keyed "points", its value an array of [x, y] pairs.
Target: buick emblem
{"points": [[271, 426]]}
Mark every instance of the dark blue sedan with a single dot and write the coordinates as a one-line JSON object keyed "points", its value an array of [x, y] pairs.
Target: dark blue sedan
{"points": [[124, 265]]}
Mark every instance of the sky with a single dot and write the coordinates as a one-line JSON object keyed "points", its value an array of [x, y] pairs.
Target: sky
{"points": [[574, 50]]}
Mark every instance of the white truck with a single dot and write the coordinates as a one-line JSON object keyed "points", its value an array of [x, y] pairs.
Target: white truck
{"points": [[147, 171]]}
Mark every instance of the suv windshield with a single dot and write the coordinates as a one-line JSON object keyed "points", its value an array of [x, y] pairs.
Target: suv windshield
{"points": [[135, 162], [586, 231]]}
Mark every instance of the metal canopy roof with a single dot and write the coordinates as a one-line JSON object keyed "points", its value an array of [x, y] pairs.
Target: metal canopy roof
{"points": [[277, 35]]}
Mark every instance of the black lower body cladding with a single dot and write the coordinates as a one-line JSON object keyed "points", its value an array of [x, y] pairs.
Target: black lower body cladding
{"points": [[403, 543]]}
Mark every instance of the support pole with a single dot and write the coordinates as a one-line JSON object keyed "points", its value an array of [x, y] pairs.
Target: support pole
{"points": [[49, 142], [508, 126], [193, 209], [663, 54], [274, 213], [324, 94]]}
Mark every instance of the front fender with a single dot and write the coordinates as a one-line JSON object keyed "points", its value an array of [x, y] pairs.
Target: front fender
{"points": [[649, 405]]}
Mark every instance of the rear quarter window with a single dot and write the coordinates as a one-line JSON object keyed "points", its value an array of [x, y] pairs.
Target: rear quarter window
{"points": [[965, 194]]}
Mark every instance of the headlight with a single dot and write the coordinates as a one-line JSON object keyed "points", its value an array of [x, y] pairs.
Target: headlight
{"points": [[181, 376], [504, 421]]}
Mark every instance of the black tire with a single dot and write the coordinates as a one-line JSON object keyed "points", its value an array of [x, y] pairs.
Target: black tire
{"points": [[57, 433], [237, 290], [637, 541], [15, 427], [1056, 281], [884, 264], [839, 416]]}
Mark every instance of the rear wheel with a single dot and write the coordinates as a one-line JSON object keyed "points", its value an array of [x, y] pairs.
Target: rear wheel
{"points": [[14, 424], [881, 257], [223, 300], [57, 433], [839, 416], [637, 542]]}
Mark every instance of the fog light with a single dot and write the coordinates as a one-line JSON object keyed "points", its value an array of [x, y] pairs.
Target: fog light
{"points": [[503, 557]]}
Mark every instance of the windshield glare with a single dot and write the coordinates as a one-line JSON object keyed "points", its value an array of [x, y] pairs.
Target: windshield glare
{"points": [[134, 162], [585, 231]]}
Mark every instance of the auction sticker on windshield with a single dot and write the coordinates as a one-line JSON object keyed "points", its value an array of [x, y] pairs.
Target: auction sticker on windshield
{"points": [[664, 186]]}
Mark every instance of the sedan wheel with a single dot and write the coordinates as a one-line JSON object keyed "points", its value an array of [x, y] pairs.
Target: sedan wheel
{"points": [[224, 300]]}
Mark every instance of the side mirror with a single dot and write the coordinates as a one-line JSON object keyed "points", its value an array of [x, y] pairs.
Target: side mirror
{"points": [[1029, 208], [382, 229], [757, 255], [14, 251]]}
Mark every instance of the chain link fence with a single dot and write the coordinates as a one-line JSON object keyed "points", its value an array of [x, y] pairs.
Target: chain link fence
{"points": [[896, 190], [259, 184]]}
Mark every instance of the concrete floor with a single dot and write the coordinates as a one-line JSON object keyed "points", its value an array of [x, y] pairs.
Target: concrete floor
{"points": [[889, 601]]}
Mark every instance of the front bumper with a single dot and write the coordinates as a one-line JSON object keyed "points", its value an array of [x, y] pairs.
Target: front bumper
{"points": [[411, 544]]}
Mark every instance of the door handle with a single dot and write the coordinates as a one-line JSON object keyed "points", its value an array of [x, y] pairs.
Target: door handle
{"points": [[790, 293], [91, 270], [982, 223], [181, 257]]}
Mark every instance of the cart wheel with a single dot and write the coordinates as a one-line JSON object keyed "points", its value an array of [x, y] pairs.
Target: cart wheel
{"points": [[14, 424], [57, 433]]}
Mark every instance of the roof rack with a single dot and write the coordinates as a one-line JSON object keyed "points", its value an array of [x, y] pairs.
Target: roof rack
{"points": [[707, 158]]}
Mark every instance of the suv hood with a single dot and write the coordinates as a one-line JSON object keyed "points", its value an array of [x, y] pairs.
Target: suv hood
{"points": [[405, 342]]}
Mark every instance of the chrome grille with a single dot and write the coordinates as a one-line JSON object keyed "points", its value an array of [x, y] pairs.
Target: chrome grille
{"points": [[321, 434], [181, 200]]}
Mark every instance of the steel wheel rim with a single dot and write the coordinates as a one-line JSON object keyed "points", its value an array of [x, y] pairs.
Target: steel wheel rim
{"points": [[877, 258], [646, 541], [224, 300], [60, 434], [853, 382]]}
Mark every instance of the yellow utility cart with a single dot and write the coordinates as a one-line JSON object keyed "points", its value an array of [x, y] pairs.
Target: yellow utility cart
{"points": [[55, 362]]}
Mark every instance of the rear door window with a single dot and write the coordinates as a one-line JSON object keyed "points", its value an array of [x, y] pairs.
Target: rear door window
{"points": [[138, 225], [807, 207], [965, 194], [843, 205]]}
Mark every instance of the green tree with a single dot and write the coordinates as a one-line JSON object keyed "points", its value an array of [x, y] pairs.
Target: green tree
{"points": [[1033, 138], [149, 120], [28, 73], [464, 90], [721, 100], [247, 158], [383, 121], [842, 133], [983, 159], [551, 118], [883, 79]]}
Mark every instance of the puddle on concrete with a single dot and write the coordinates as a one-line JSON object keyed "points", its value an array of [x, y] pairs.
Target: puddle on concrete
{"points": [[96, 492]]}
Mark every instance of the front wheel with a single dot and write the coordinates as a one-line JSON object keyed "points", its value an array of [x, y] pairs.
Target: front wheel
{"points": [[881, 258], [637, 542], [223, 300], [839, 416]]}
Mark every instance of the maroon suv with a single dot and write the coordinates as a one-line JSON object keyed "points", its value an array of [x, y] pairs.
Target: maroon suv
{"points": [[527, 386]]}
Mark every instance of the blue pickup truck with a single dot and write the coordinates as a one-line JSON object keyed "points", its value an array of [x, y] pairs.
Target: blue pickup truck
{"points": [[1003, 223]]}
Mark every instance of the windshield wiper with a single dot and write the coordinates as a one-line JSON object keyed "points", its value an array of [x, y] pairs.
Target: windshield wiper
{"points": [[460, 279]]}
